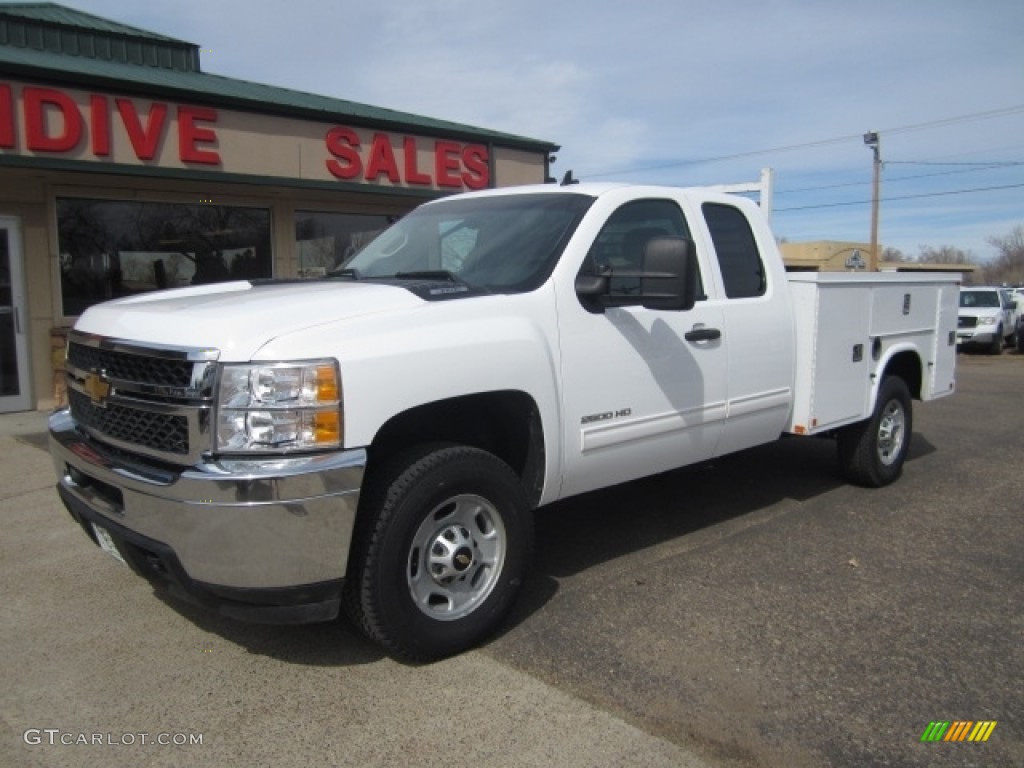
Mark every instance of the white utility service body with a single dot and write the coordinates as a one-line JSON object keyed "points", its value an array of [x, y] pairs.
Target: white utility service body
{"points": [[380, 438], [849, 326]]}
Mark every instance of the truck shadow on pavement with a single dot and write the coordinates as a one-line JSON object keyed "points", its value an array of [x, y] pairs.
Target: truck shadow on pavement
{"points": [[335, 643], [584, 532], [38, 440]]}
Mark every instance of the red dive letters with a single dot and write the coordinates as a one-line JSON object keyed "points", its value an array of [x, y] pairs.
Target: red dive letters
{"points": [[54, 122]]}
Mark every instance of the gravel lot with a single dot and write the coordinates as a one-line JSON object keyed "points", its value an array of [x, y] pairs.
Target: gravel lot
{"points": [[754, 612]]}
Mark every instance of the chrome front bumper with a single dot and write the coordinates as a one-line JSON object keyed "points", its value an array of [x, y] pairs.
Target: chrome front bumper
{"points": [[259, 539], [976, 337]]}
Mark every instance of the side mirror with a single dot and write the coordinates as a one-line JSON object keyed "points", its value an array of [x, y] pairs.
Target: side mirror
{"points": [[670, 273], [669, 279], [592, 286]]}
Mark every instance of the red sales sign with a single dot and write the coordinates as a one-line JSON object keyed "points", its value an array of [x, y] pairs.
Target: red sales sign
{"points": [[52, 121], [454, 165]]}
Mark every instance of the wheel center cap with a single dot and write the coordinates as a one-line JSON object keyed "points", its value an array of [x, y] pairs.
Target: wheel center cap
{"points": [[462, 559], [451, 554]]}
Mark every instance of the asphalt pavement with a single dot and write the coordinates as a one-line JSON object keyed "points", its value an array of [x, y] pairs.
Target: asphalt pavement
{"points": [[752, 612]]}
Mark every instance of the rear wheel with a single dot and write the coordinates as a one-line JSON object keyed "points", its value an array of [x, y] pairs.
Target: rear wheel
{"points": [[872, 452], [441, 551]]}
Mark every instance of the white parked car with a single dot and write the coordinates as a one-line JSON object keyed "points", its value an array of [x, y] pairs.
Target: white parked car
{"points": [[1018, 295], [987, 318]]}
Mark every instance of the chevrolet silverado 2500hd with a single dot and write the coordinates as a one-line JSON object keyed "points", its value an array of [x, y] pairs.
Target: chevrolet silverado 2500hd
{"points": [[377, 441]]}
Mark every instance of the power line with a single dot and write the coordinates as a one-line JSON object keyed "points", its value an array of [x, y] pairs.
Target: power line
{"points": [[736, 156], [720, 158], [972, 117], [891, 179], [1002, 112], [901, 197], [991, 164]]}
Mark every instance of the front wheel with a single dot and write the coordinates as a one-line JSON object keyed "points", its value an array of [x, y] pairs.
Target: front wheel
{"points": [[440, 552], [996, 348], [872, 452]]}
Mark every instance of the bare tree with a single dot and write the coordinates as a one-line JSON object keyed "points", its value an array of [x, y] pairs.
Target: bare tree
{"points": [[1008, 266], [893, 254], [944, 254]]}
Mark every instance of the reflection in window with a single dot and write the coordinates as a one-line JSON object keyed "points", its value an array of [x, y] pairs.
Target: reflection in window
{"points": [[621, 243], [110, 249], [327, 240], [507, 245], [8, 350]]}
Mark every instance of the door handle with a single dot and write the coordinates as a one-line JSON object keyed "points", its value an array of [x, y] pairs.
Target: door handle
{"points": [[703, 334]]}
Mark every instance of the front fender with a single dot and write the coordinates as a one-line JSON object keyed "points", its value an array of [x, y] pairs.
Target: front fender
{"points": [[395, 362]]}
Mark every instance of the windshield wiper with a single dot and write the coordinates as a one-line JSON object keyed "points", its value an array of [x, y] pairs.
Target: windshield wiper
{"points": [[430, 274], [346, 272], [440, 274]]}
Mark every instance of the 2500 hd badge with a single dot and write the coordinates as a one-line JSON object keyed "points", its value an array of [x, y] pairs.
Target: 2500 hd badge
{"points": [[621, 414]]}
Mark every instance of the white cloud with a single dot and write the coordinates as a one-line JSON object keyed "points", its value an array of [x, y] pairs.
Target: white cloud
{"points": [[660, 83]]}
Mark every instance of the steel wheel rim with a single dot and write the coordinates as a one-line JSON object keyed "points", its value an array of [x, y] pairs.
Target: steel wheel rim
{"points": [[891, 433], [456, 557]]}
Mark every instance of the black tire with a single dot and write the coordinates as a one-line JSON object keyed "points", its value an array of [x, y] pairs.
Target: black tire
{"points": [[1020, 339], [997, 343], [872, 452], [440, 551]]}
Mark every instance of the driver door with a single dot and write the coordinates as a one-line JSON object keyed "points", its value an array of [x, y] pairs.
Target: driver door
{"points": [[644, 390]]}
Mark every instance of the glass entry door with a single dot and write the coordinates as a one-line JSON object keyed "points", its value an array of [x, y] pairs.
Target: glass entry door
{"points": [[14, 387]]}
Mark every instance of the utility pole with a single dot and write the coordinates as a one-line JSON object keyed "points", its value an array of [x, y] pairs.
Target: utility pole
{"points": [[872, 140]]}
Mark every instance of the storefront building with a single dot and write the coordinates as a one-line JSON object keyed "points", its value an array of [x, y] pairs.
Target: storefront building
{"points": [[124, 168], [837, 256]]}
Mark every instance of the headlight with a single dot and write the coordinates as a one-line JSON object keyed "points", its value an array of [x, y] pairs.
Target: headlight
{"points": [[278, 407], [987, 320]]}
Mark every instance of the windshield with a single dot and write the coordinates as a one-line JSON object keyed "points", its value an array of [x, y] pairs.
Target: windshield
{"points": [[979, 299], [506, 244]]}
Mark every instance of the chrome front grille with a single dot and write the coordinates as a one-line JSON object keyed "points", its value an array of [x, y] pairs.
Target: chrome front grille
{"points": [[157, 431], [131, 367], [153, 400]]}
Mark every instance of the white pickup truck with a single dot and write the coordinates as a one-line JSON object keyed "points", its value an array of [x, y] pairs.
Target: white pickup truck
{"points": [[989, 318], [378, 440]]}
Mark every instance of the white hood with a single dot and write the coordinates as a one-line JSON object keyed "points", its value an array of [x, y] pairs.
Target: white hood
{"points": [[238, 318]]}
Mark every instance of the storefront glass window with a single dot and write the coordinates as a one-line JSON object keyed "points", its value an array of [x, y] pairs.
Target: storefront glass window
{"points": [[327, 240], [110, 249], [8, 358]]}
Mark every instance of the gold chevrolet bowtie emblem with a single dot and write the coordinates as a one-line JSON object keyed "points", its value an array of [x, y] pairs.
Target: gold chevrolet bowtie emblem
{"points": [[96, 388]]}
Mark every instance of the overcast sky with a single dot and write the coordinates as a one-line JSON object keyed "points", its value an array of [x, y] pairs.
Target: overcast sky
{"points": [[680, 92]]}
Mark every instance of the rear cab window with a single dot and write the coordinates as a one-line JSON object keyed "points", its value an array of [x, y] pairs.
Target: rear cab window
{"points": [[739, 259]]}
